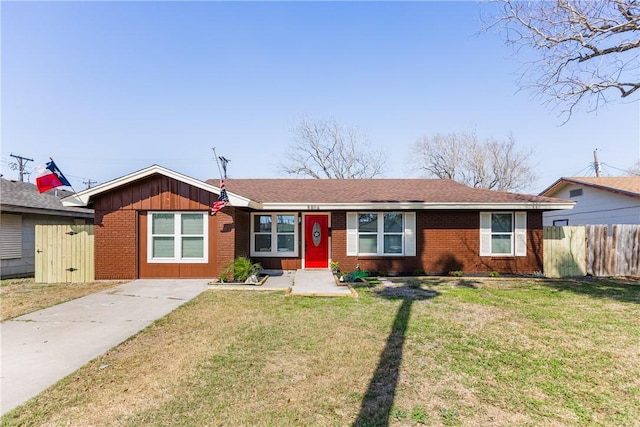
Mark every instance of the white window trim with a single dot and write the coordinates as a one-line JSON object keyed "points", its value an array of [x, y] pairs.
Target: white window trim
{"points": [[178, 259], [518, 234], [274, 235], [408, 234]]}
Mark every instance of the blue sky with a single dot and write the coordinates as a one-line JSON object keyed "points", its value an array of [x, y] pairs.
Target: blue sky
{"points": [[108, 88]]}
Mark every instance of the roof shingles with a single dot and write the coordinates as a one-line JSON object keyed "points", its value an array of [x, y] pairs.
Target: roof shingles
{"points": [[629, 185], [23, 195], [371, 191]]}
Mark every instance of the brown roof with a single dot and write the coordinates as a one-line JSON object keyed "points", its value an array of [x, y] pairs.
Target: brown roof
{"points": [[629, 185], [370, 191]]}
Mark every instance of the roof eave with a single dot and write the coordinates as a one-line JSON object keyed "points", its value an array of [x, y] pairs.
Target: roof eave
{"points": [[414, 206], [562, 182], [43, 211], [83, 197]]}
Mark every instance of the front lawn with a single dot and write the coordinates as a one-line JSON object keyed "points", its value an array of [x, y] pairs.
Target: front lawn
{"points": [[22, 296], [432, 351]]}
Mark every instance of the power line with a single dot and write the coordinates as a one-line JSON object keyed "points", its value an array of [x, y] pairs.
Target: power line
{"points": [[621, 170], [89, 182], [22, 162]]}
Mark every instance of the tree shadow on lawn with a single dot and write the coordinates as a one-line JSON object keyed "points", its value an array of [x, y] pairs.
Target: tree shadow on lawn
{"points": [[377, 402], [623, 290]]}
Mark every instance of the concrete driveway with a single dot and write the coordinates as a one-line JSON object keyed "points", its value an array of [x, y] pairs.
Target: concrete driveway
{"points": [[40, 348]]}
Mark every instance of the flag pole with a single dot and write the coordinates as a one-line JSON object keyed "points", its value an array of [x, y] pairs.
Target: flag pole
{"points": [[215, 155], [223, 199], [74, 190]]}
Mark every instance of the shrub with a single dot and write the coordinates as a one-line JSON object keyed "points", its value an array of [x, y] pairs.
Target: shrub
{"points": [[354, 276], [494, 274], [456, 273], [334, 266], [242, 268], [419, 272]]}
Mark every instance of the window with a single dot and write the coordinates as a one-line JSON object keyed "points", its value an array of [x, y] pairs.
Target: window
{"points": [[503, 233], [560, 222], [11, 231], [575, 193], [177, 237], [381, 233], [274, 234]]}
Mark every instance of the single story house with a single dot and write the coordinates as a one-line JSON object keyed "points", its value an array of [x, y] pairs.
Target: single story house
{"points": [[21, 208], [156, 223], [599, 200]]}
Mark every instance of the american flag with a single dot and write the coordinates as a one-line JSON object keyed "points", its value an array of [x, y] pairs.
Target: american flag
{"points": [[223, 199]]}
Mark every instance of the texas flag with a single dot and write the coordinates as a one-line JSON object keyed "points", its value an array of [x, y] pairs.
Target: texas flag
{"points": [[49, 177]]}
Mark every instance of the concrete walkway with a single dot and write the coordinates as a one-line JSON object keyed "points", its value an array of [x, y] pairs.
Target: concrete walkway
{"points": [[318, 283], [40, 348]]}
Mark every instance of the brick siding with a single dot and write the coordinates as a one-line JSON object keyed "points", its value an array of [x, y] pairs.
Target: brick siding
{"points": [[115, 245], [446, 241]]}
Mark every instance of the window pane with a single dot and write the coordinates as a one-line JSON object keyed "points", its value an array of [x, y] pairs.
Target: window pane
{"points": [[393, 223], [192, 247], [163, 247], [286, 223], [192, 224], [501, 223], [393, 244], [263, 242], [162, 223], [368, 223], [368, 244], [286, 243], [262, 223], [500, 244]]}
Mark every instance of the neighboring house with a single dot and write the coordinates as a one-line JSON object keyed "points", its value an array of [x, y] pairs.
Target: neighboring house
{"points": [[21, 208], [156, 223], [599, 200]]}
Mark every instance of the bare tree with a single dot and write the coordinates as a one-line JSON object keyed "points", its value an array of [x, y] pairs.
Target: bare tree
{"points": [[634, 170], [584, 49], [326, 149], [494, 164]]}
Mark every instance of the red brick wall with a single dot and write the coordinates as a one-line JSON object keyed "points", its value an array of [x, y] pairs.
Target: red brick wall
{"points": [[446, 241], [225, 235], [115, 245]]}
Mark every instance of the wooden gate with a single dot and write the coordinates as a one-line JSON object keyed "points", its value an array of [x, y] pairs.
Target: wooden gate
{"points": [[564, 251], [589, 249], [64, 254]]}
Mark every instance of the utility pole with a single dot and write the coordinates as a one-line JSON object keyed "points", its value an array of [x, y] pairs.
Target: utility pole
{"points": [[596, 163], [89, 182], [22, 162]]}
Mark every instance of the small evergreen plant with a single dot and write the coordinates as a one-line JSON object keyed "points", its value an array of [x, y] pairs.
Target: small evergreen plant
{"points": [[243, 268]]}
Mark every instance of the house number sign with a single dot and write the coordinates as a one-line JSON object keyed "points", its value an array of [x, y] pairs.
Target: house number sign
{"points": [[316, 234]]}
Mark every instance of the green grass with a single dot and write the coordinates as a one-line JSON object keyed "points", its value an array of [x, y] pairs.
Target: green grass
{"points": [[446, 351]]}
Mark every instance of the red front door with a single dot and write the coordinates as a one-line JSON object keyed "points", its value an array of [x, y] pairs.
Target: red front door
{"points": [[316, 241]]}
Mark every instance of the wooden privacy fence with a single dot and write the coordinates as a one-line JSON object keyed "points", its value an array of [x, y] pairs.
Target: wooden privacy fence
{"points": [[589, 249], [64, 254]]}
